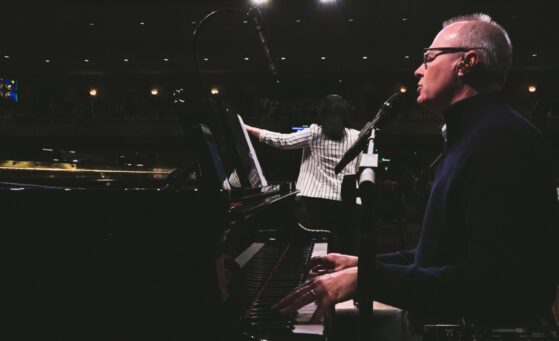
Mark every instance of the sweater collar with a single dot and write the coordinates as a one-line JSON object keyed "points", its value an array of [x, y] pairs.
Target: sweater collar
{"points": [[462, 114]]}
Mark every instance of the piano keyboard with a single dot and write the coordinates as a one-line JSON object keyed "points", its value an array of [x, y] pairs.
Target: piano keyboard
{"points": [[304, 314], [269, 272]]}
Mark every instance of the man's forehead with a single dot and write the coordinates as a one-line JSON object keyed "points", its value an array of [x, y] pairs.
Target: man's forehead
{"points": [[448, 36]]}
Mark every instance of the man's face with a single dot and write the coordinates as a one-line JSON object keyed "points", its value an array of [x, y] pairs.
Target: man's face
{"points": [[438, 82]]}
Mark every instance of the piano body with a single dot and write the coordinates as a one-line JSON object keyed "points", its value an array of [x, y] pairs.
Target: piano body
{"points": [[110, 254]]}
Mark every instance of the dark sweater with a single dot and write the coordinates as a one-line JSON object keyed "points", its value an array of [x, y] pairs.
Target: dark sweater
{"points": [[488, 246]]}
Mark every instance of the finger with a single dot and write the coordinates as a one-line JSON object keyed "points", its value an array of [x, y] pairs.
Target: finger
{"points": [[318, 314], [298, 303], [323, 266], [319, 271], [314, 262], [316, 267], [291, 297]]}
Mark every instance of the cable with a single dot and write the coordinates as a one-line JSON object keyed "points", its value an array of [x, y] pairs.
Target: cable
{"points": [[195, 38]]}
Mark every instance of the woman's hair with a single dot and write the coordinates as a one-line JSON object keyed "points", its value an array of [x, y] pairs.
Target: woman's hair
{"points": [[333, 116]]}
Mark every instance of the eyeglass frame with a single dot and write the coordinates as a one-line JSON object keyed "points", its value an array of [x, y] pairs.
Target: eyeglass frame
{"points": [[446, 50]]}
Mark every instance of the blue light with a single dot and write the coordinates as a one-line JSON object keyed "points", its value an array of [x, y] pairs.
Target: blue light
{"points": [[8, 89], [299, 128]]}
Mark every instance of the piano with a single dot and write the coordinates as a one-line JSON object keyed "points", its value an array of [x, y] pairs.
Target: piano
{"points": [[104, 253]]}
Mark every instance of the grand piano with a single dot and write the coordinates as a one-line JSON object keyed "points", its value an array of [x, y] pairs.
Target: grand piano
{"points": [[105, 254]]}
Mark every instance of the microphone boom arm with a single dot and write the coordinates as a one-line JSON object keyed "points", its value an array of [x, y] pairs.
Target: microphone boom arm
{"points": [[385, 112]]}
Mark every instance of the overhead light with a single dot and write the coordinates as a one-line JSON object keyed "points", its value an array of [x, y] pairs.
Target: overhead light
{"points": [[93, 92], [165, 59], [327, 1], [142, 23], [47, 60], [154, 92], [406, 57], [534, 54], [350, 20], [404, 19], [126, 60], [86, 60], [282, 58], [323, 58], [298, 21], [6, 57], [532, 88], [365, 57], [214, 91], [245, 21], [403, 89], [246, 59], [259, 2], [206, 59], [91, 24], [194, 23]]}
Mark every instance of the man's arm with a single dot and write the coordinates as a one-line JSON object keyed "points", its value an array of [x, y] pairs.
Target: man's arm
{"points": [[500, 255], [399, 257]]}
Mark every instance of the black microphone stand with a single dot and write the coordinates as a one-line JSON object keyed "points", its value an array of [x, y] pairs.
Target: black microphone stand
{"points": [[367, 246]]}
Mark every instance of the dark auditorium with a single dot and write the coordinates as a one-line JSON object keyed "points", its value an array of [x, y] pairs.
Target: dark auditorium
{"points": [[279, 170]]}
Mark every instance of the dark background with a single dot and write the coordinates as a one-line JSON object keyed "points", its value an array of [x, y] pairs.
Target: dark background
{"points": [[55, 108]]}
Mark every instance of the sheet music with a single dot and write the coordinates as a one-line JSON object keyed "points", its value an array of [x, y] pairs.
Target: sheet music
{"points": [[260, 174]]}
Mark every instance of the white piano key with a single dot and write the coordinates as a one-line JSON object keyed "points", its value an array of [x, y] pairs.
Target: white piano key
{"points": [[247, 254], [302, 321]]}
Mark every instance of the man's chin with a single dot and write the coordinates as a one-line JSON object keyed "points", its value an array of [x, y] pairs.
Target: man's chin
{"points": [[424, 104]]}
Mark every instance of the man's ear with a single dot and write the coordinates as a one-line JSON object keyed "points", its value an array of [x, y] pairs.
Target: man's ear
{"points": [[468, 63]]}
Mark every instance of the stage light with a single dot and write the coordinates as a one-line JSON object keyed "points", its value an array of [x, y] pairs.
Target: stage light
{"points": [[93, 92], [259, 2], [532, 88], [154, 92], [403, 89], [214, 91]]}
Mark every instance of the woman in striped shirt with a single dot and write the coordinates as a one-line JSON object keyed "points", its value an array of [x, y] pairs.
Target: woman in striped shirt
{"points": [[323, 145]]}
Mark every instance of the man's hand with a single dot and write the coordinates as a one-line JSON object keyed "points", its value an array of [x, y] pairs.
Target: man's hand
{"points": [[324, 290], [332, 262]]}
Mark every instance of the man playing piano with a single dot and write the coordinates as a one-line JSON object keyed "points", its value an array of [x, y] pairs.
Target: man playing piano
{"points": [[486, 252]]}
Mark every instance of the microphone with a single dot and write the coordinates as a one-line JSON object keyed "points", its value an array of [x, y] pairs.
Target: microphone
{"points": [[385, 113], [262, 39]]}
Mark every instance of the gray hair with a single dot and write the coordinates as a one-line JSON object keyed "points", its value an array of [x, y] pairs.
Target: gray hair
{"points": [[481, 31]]}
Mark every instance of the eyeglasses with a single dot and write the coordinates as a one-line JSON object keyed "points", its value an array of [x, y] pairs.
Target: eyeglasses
{"points": [[443, 50]]}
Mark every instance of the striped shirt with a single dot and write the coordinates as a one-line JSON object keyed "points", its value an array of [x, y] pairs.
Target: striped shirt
{"points": [[320, 155]]}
